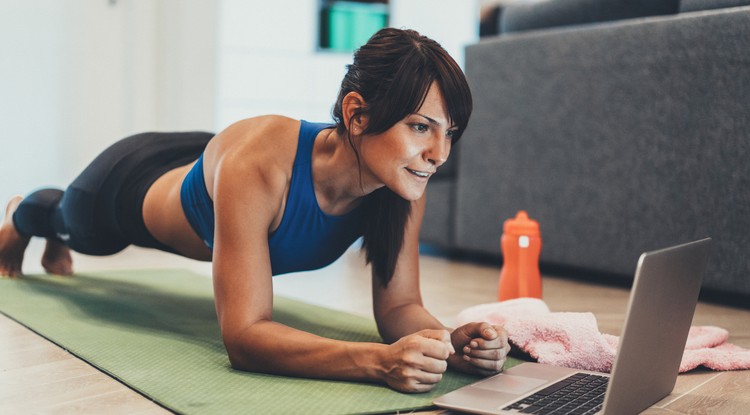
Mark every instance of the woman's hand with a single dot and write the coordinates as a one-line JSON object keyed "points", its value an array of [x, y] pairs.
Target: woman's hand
{"points": [[415, 363], [481, 348]]}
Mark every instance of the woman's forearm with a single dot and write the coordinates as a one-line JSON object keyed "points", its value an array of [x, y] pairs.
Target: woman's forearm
{"points": [[270, 347], [404, 320]]}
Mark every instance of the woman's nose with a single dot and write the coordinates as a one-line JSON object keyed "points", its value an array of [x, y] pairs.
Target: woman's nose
{"points": [[437, 153]]}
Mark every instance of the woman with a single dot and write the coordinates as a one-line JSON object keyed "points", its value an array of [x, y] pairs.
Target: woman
{"points": [[271, 195]]}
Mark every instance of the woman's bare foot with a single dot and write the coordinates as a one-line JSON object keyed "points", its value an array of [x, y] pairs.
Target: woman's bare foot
{"points": [[12, 244], [56, 258]]}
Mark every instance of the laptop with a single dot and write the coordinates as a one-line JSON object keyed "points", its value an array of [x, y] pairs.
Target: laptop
{"points": [[660, 312]]}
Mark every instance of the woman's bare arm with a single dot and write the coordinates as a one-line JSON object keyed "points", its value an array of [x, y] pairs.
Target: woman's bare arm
{"points": [[479, 347], [244, 294], [398, 306]]}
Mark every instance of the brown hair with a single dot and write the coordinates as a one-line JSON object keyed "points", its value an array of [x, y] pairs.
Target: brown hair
{"points": [[393, 72]]}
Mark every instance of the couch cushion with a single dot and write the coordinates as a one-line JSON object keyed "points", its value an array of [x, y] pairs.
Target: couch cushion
{"points": [[439, 216], [697, 5], [538, 14]]}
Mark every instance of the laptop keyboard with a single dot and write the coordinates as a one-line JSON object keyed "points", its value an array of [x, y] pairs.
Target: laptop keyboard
{"points": [[579, 394]]}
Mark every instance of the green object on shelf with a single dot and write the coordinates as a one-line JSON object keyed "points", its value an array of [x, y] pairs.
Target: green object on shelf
{"points": [[351, 24]]}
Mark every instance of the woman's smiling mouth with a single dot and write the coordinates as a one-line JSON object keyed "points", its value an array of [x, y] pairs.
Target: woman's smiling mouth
{"points": [[422, 174]]}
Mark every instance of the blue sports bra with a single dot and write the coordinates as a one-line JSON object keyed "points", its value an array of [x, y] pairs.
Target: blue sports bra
{"points": [[307, 238]]}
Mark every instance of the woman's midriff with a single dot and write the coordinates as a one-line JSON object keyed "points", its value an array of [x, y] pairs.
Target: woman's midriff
{"points": [[165, 219]]}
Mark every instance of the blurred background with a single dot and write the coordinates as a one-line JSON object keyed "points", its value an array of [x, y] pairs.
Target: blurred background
{"points": [[78, 75]]}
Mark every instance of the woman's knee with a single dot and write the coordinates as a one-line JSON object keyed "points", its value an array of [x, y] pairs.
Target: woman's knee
{"points": [[34, 216], [86, 226]]}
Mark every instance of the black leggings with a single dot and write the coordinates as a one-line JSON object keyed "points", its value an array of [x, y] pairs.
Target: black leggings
{"points": [[101, 212]]}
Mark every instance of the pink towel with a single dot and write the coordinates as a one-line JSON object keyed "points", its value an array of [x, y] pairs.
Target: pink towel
{"points": [[573, 339]]}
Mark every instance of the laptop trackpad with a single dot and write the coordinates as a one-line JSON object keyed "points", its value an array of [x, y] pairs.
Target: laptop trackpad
{"points": [[510, 384]]}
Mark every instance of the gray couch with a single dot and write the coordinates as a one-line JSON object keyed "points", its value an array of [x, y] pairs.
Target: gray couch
{"points": [[619, 135]]}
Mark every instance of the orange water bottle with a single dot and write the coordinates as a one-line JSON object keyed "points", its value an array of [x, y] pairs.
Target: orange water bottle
{"points": [[521, 244]]}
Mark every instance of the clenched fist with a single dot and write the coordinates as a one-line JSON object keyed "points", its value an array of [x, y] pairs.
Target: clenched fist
{"points": [[481, 348], [415, 363]]}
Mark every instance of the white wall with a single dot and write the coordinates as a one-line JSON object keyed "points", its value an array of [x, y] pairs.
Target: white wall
{"points": [[269, 63], [186, 64], [452, 23], [31, 93], [78, 75]]}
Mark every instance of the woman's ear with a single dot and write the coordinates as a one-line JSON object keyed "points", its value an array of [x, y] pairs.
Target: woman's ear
{"points": [[352, 107]]}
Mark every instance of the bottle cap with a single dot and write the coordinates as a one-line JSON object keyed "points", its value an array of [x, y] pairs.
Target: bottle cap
{"points": [[521, 225]]}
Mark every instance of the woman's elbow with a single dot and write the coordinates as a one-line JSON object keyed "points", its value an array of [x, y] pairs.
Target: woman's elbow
{"points": [[241, 357]]}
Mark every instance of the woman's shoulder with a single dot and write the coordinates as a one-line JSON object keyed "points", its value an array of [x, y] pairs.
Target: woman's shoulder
{"points": [[270, 122], [269, 137], [259, 148], [264, 129]]}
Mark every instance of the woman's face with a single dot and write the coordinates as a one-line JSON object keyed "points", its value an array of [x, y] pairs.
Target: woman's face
{"points": [[404, 157]]}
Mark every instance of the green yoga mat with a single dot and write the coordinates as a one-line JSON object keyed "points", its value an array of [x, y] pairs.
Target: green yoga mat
{"points": [[156, 331]]}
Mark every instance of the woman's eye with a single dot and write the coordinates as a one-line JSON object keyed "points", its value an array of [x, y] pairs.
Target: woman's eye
{"points": [[420, 127], [450, 134]]}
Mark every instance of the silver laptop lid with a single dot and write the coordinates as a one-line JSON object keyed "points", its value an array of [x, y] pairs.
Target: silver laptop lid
{"points": [[665, 291]]}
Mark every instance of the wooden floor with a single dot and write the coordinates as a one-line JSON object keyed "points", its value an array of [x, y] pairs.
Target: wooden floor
{"points": [[37, 376]]}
